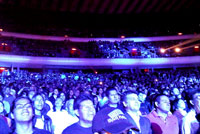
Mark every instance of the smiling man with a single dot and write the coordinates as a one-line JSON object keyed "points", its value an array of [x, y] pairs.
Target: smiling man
{"points": [[22, 113]]}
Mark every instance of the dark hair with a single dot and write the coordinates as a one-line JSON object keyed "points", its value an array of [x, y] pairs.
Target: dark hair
{"points": [[124, 95], [192, 92], [35, 95], [80, 99], [16, 100], [109, 89]]}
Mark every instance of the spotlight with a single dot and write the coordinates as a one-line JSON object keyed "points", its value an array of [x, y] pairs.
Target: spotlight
{"points": [[162, 50], [196, 46], [177, 50], [1, 30]]}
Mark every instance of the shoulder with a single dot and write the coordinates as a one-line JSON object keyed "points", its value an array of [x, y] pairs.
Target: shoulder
{"points": [[70, 128], [40, 131]]}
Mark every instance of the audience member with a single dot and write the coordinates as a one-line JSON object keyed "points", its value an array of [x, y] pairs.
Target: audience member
{"points": [[162, 121], [84, 109], [22, 112], [132, 106]]}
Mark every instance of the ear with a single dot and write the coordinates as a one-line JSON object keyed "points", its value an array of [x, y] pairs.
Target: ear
{"points": [[124, 103], [76, 112], [156, 104], [12, 116], [191, 102]]}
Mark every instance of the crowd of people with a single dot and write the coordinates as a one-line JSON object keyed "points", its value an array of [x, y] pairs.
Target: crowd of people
{"points": [[92, 49], [159, 101]]}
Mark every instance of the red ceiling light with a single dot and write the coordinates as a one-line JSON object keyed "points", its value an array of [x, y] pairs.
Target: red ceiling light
{"points": [[74, 49], [2, 68], [1, 30], [180, 33], [122, 37]]}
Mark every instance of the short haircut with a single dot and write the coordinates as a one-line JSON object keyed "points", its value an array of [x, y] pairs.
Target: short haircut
{"points": [[16, 100], [109, 89], [157, 98], [81, 98], [127, 93], [192, 92]]}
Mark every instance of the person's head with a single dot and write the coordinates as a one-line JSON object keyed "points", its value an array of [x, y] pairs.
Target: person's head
{"points": [[58, 104], [113, 97], [62, 96], [1, 107], [69, 106], [175, 91], [130, 101], [84, 108], [56, 91], [31, 94], [195, 99], [38, 102], [179, 104], [111, 120], [142, 96], [22, 110], [162, 103]]}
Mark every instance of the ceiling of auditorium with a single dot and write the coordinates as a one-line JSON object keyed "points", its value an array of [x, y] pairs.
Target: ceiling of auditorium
{"points": [[105, 6], [104, 13]]}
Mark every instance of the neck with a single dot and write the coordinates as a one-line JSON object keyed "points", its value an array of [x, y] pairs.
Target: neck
{"points": [[24, 128], [38, 112], [112, 105], [161, 113], [58, 108], [132, 112], [85, 124]]}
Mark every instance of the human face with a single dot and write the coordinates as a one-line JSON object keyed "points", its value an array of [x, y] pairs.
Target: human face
{"points": [[62, 96], [86, 111], [58, 102], [55, 91], [164, 104], [23, 111], [1, 107], [69, 106], [39, 103], [132, 103], [113, 97], [181, 104], [176, 91], [196, 102]]}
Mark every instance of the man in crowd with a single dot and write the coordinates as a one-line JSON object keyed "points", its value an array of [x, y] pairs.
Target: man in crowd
{"points": [[111, 121], [162, 121], [113, 98], [84, 109], [190, 124], [22, 113], [132, 105]]}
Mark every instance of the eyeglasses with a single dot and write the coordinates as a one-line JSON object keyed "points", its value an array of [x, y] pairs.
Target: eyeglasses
{"points": [[21, 106]]}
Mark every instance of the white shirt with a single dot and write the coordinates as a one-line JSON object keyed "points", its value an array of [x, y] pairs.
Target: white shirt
{"points": [[61, 120], [190, 124]]}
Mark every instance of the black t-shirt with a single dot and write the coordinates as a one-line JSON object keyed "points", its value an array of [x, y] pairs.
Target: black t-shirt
{"points": [[38, 131], [77, 129]]}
